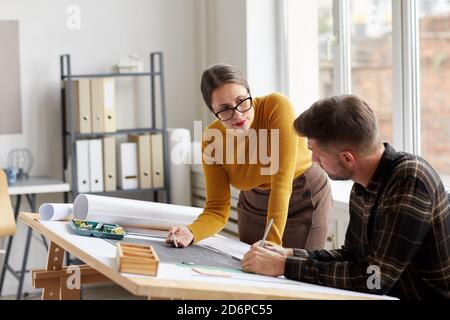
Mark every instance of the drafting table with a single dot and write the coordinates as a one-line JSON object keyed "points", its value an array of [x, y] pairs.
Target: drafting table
{"points": [[29, 188], [172, 282]]}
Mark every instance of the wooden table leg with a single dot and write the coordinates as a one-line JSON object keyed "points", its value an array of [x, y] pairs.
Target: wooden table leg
{"points": [[63, 283], [54, 263]]}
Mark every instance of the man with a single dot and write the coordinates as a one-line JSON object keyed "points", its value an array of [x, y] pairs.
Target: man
{"points": [[398, 239]]}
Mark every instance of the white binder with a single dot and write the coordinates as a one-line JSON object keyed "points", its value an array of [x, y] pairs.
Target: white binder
{"points": [[96, 165], [128, 166], [82, 150]]}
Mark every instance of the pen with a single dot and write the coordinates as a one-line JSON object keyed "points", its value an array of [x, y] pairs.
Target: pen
{"points": [[261, 244], [174, 240]]}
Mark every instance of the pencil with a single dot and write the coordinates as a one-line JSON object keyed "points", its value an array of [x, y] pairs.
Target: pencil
{"points": [[174, 240], [261, 244]]}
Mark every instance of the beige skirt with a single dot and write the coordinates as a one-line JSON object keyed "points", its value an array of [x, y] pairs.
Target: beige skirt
{"points": [[309, 212]]}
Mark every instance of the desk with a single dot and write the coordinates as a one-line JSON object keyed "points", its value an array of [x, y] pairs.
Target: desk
{"points": [[29, 188], [173, 281]]}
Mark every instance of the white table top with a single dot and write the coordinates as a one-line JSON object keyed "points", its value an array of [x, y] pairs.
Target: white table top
{"points": [[175, 278], [35, 185]]}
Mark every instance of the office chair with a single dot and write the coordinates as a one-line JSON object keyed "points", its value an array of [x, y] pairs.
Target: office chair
{"points": [[7, 221]]}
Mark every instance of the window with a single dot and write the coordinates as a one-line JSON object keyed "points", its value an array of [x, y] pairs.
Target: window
{"points": [[326, 52], [310, 59], [395, 54], [371, 58], [434, 33]]}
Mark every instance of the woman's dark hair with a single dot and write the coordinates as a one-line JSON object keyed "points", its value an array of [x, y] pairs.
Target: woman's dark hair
{"points": [[217, 75]]}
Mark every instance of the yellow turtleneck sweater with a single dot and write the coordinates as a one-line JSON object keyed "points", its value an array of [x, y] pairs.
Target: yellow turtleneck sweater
{"points": [[274, 111]]}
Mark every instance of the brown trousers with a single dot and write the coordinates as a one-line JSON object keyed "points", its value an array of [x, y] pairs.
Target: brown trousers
{"points": [[308, 214]]}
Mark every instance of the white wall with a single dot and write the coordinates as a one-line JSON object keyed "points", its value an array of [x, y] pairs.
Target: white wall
{"points": [[263, 51], [109, 30], [249, 35], [222, 39], [244, 34], [226, 34]]}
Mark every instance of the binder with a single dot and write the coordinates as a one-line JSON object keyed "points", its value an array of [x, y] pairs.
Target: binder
{"points": [[109, 104], [157, 160], [109, 163], [128, 166], [81, 97], [96, 165], [97, 109], [83, 179], [144, 159], [103, 103]]}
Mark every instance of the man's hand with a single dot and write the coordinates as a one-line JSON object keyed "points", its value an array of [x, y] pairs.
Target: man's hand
{"points": [[275, 248], [263, 261], [182, 235]]}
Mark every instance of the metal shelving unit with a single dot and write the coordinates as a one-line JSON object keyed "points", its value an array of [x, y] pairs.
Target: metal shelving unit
{"points": [[69, 136]]}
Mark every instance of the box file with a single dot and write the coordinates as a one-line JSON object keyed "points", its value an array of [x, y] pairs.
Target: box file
{"points": [[81, 97], [157, 160], [109, 104], [103, 103], [144, 159], [109, 164]]}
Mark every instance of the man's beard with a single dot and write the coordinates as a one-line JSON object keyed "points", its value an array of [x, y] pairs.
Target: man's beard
{"points": [[343, 174], [339, 178]]}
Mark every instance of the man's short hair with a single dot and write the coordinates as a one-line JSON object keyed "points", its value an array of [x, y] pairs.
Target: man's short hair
{"points": [[340, 121]]}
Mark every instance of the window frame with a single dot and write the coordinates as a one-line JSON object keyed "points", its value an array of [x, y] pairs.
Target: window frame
{"points": [[406, 76], [406, 66]]}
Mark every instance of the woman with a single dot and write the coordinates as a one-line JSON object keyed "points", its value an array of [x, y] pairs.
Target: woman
{"points": [[296, 194]]}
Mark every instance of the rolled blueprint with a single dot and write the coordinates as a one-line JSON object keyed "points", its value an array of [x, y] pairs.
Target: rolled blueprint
{"points": [[55, 211], [132, 213]]}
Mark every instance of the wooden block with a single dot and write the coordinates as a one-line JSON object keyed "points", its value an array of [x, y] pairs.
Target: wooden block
{"points": [[138, 259]]}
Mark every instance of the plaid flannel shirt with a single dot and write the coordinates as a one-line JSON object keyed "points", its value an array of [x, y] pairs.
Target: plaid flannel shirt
{"points": [[399, 225]]}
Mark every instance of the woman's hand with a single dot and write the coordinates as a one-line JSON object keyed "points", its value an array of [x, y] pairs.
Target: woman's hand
{"points": [[179, 237], [275, 248]]}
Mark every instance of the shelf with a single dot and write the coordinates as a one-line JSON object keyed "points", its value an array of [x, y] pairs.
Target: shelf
{"points": [[118, 132], [126, 191], [110, 75], [70, 136]]}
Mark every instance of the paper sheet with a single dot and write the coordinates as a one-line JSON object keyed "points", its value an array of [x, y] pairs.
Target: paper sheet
{"points": [[133, 213], [55, 211], [226, 245]]}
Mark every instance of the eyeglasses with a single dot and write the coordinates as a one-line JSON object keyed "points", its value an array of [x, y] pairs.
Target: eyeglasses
{"points": [[228, 113]]}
